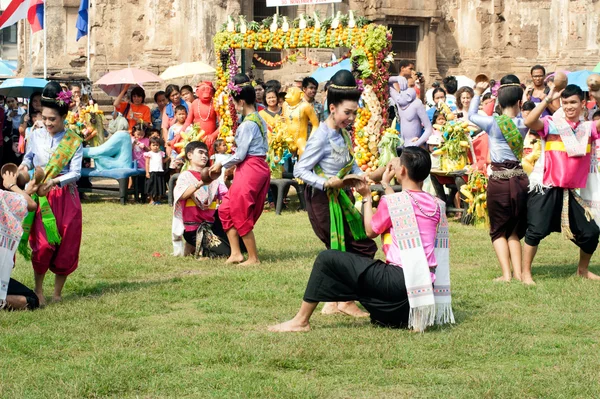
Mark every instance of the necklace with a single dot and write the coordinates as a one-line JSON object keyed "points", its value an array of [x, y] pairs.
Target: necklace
{"points": [[419, 206], [292, 108], [207, 115]]}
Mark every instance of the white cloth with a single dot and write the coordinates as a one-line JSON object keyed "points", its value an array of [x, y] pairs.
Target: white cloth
{"points": [[156, 161]]}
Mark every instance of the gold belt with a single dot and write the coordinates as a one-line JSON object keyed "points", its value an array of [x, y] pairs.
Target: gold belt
{"points": [[507, 174]]}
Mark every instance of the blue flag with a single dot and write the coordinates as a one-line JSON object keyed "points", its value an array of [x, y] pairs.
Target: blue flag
{"points": [[82, 20]]}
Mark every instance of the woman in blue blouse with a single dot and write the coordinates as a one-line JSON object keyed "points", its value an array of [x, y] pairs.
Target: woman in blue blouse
{"points": [[327, 159], [62, 259]]}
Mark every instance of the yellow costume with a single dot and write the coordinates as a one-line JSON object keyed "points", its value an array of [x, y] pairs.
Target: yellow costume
{"points": [[270, 118], [298, 114]]}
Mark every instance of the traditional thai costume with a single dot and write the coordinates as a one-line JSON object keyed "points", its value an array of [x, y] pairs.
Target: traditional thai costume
{"points": [[403, 291], [243, 204], [13, 209], [554, 205], [194, 217], [508, 183], [331, 212], [54, 230]]}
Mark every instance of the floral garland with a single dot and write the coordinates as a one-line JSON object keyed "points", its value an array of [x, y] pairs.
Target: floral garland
{"points": [[370, 55], [289, 57], [475, 195], [325, 64]]}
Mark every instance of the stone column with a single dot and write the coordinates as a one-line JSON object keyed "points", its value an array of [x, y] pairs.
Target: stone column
{"points": [[432, 70]]}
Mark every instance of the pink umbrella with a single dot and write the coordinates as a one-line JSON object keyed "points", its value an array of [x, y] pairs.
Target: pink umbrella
{"points": [[112, 83]]}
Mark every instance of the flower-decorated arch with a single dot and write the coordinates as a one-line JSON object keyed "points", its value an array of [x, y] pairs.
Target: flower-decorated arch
{"points": [[369, 45]]}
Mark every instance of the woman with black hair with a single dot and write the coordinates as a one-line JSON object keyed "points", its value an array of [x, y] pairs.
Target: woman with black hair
{"points": [[168, 117], [54, 238], [273, 110], [327, 159], [508, 183], [243, 203], [135, 111]]}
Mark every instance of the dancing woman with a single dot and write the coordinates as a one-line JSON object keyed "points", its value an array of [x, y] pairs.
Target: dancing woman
{"points": [[243, 203], [54, 230], [508, 183], [327, 159]]}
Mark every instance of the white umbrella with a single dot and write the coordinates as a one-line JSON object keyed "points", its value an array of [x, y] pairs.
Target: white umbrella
{"points": [[464, 81], [187, 69]]}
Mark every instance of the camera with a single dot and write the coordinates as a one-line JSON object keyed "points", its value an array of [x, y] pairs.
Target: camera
{"points": [[419, 75]]}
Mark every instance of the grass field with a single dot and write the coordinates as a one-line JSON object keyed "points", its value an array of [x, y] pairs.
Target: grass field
{"points": [[133, 325]]}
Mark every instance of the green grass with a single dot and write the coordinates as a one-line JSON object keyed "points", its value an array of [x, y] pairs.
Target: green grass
{"points": [[133, 325]]}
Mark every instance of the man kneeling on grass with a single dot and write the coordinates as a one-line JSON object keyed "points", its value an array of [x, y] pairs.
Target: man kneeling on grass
{"points": [[195, 216], [412, 288]]}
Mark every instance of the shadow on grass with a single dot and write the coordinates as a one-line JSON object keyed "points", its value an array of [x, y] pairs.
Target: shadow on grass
{"points": [[276, 255], [101, 288], [556, 271]]}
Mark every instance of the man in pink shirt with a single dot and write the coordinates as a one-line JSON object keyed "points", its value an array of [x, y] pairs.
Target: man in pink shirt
{"points": [[384, 288], [553, 204]]}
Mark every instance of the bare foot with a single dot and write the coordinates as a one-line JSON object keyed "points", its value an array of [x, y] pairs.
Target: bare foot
{"points": [[41, 299], [527, 280], [517, 277], [290, 326], [56, 299], [330, 308], [502, 279], [587, 274], [250, 262], [235, 259], [351, 309]]}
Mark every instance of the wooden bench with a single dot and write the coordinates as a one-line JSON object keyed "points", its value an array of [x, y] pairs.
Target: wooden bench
{"points": [[120, 175]]}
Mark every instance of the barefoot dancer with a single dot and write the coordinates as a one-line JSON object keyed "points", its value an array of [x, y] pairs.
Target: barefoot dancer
{"points": [[327, 158], [55, 229], [400, 291], [507, 186], [563, 167], [243, 204]]}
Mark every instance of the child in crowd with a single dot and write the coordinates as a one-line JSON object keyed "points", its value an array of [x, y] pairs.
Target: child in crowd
{"points": [[438, 120], [187, 93], [596, 116], [15, 203], [155, 183], [196, 208], [140, 144], [175, 135], [398, 292], [220, 156], [155, 133], [36, 117]]}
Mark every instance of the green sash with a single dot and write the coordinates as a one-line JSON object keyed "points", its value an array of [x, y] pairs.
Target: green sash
{"points": [[341, 206], [60, 158], [254, 117], [511, 134]]}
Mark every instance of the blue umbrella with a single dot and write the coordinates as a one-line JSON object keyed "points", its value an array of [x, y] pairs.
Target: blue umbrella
{"points": [[22, 87], [7, 68], [324, 74], [579, 78]]}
